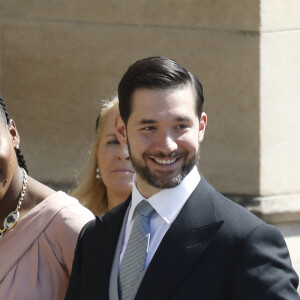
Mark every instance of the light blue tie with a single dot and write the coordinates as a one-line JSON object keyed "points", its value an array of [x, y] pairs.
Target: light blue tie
{"points": [[135, 254]]}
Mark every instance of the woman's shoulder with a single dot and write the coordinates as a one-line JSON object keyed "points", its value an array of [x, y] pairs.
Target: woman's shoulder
{"points": [[57, 207], [70, 212], [69, 217], [62, 231]]}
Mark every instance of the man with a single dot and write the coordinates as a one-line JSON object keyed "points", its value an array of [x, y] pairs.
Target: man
{"points": [[199, 244]]}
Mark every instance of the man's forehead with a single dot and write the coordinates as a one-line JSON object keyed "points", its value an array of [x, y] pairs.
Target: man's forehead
{"points": [[179, 118], [143, 96]]}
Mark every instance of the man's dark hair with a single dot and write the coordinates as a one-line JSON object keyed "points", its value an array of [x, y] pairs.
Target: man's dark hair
{"points": [[156, 73], [5, 119]]}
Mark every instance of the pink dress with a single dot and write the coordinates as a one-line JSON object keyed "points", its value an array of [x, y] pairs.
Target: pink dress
{"points": [[36, 256]]}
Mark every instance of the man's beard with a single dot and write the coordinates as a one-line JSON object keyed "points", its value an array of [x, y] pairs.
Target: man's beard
{"points": [[165, 180]]}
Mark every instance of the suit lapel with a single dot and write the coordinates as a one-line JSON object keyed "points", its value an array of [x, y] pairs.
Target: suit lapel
{"points": [[184, 243], [111, 224]]}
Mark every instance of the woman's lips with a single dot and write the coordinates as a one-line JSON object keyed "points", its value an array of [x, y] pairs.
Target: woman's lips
{"points": [[123, 171]]}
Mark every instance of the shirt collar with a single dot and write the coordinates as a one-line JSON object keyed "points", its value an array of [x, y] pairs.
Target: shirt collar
{"points": [[167, 202]]}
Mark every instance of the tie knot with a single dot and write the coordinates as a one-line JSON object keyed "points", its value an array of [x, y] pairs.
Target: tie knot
{"points": [[144, 208]]}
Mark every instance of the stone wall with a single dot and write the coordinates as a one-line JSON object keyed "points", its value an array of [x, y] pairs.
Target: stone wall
{"points": [[58, 58]]}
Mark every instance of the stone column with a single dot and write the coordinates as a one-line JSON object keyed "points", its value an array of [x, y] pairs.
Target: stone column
{"points": [[279, 201]]}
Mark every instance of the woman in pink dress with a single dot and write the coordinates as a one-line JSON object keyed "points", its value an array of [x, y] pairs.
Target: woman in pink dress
{"points": [[38, 227]]}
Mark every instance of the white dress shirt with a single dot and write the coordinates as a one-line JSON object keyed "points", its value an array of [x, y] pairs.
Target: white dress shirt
{"points": [[167, 203]]}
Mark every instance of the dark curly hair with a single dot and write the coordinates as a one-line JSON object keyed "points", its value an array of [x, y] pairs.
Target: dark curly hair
{"points": [[5, 117]]}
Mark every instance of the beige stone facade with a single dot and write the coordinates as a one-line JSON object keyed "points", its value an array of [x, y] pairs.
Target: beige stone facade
{"points": [[59, 58]]}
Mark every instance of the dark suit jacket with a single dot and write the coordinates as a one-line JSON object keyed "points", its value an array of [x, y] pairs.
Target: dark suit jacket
{"points": [[215, 249]]}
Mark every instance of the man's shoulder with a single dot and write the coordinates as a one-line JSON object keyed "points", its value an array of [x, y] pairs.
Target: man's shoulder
{"points": [[238, 224], [107, 225], [232, 213]]}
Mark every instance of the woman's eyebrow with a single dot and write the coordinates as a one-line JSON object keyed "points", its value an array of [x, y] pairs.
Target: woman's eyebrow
{"points": [[111, 135]]}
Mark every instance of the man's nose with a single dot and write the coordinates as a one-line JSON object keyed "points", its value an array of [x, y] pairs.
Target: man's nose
{"points": [[166, 143]]}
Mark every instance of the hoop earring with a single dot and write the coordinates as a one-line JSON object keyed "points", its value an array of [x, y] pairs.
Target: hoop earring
{"points": [[98, 175]]}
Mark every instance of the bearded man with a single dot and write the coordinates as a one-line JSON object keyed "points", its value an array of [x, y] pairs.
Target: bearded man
{"points": [[175, 237]]}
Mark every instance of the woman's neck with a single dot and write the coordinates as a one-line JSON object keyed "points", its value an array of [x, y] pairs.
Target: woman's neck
{"points": [[10, 199], [115, 198]]}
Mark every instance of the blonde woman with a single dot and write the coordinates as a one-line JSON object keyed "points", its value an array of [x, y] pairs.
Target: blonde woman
{"points": [[107, 179]]}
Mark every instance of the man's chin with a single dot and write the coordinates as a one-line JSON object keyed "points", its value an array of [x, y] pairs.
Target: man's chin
{"points": [[165, 182], [160, 178]]}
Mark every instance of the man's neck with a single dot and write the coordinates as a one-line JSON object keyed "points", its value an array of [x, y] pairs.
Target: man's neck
{"points": [[145, 188]]}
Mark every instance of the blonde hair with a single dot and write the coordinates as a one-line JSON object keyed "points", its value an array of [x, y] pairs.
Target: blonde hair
{"points": [[90, 191]]}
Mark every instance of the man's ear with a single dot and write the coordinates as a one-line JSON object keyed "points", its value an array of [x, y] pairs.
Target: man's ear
{"points": [[14, 133], [120, 130], [202, 126]]}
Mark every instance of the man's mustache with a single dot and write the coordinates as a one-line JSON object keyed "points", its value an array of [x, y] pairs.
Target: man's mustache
{"points": [[159, 154]]}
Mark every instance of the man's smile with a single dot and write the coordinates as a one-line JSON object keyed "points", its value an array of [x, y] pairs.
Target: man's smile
{"points": [[164, 161]]}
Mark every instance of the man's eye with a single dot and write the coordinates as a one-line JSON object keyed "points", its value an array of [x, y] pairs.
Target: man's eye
{"points": [[113, 142], [181, 126], [149, 128]]}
